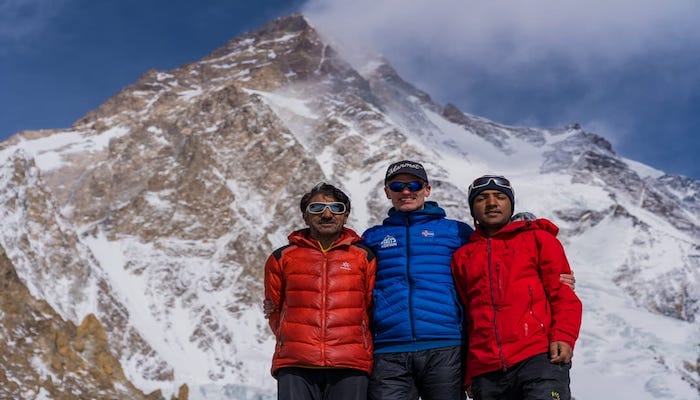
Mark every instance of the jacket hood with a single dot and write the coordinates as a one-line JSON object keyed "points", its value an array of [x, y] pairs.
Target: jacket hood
{"points": [[302, 237], [520, 226]]}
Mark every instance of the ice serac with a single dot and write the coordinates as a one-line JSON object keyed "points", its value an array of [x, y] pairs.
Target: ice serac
{"points": [[152, 216]]}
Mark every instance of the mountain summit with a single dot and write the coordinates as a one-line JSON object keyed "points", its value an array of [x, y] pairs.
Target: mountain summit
{"points": [[134, 241]]}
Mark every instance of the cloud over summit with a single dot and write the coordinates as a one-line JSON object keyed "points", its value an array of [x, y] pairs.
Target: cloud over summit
{"points": [[625, 67]]}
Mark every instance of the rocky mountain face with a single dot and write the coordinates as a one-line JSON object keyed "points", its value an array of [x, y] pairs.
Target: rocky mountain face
{"points": [[44, 356], [134, 241]]}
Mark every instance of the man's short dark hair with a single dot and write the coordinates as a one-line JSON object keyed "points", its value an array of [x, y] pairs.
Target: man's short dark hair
{"points": [[325, 189]]}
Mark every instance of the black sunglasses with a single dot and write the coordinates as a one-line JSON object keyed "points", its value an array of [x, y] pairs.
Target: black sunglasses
{"points": [[412, 186]]}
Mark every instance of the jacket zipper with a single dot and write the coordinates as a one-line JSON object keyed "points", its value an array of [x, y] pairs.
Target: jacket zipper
{"points": [[283, 315], [493, 303], [364, 333], [324, 283], [532, 308], [408, 278]]}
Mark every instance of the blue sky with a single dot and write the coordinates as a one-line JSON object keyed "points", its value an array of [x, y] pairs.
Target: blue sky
{"points": [[628, 70]]}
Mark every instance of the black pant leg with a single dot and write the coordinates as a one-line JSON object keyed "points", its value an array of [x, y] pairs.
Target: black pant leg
{"points": [[542, 380], [392, 378], [495, 385], [440, 373], [298, 384], [346, 384]]}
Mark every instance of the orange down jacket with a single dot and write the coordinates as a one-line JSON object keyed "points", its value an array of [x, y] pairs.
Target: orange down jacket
{"points": [[322, 301], [514, 304]]}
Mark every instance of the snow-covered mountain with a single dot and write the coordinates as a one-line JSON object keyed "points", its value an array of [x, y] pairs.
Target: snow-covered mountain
{"points": [[145, 226]]}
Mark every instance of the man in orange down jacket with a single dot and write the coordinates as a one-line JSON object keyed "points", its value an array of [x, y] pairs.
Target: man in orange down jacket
{"points": [[319, 290], [522, 322]]}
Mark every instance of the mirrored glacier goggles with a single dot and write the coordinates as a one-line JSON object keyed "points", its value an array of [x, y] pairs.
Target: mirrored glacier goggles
{"points": [[335, 207], [485, 180], [412, 186]]}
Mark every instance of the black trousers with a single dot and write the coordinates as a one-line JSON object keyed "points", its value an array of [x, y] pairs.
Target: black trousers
{"points": [[321, 384], [434, 374], [532, 379]]}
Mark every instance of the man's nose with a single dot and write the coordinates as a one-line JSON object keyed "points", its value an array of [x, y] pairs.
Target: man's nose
{"points": [[491, 200]]}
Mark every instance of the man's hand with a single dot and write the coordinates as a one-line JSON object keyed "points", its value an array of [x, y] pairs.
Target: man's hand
{"points": [[560, 353], [470, 392], [268, 308], [568, 280]]}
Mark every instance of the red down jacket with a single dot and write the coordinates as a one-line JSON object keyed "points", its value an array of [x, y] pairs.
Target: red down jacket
{"points": [[321, 299], [514, 303]]}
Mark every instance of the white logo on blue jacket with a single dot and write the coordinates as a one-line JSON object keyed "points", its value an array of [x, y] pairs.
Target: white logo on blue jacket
{"points": [[389, 241]]}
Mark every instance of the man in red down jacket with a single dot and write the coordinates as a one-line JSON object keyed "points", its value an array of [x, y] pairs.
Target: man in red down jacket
{"points": [[521, 321], [319, 290]]}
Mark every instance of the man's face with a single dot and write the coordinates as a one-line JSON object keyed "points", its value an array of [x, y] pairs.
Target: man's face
{"points": [[406, 200], [492, 209], [326, 225]]}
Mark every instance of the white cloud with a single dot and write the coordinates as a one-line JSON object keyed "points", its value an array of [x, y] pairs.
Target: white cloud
{"points": [[620, 65], [498, 33]]}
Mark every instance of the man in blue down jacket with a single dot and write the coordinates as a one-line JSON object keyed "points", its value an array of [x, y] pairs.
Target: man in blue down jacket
{"points": [[417, 323]]}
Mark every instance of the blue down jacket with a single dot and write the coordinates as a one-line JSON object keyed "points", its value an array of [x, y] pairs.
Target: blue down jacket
{"points": [[416, 306]]}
